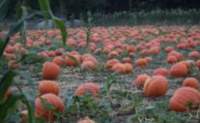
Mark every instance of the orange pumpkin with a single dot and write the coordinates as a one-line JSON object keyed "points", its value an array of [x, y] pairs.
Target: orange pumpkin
{"points": [[72, 60], [161, 71], [48, 86], [50, 70], [128, 68], [172, 59], [52, 99], [183, 98], [155, 86], [126, 60], [90, 86], [198, 64], [168, 49], [86, 121], [194, 55], [140, 80], [14, 65], [148, 59], [110, 63], [178, 70], [191, 82], [24, 115], [141, 62], [88, 65], [119, 67], [58, 60]]}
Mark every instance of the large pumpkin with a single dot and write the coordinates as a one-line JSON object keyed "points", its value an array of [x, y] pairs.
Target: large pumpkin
{"points": [[183, 98], [87, 87], [48, 99], [50, 70], [48, 86], [178, 70], [155, 86]]}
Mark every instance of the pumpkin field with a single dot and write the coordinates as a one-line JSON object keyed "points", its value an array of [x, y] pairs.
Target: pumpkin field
{"points": [[102, 61], [119, 74]]}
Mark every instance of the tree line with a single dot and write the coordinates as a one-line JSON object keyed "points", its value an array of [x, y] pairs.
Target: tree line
{"points": [[76, 8]]}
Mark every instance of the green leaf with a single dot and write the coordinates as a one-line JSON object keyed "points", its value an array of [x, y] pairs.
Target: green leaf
{"points": [[5, 82], [4, 6], [44, 6], [60, 25], [8, 105]]}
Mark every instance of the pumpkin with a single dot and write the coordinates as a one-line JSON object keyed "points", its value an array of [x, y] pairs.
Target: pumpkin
{"points": [[140, 80], [58, 60], [168, 49], [191, 82], [84, 88], [119, 67], [88, 65], [161, 71], [194, 55], [178, 70], [50, 70], [155, 86], [24, 115], [14, 65], [198, 64], [148, 59], [86, 121], [183, 98], [54, 101], [72, 60], [128, 68], [110, 63], [126, 60], [48, 86], [172, 59], [141, 62]]}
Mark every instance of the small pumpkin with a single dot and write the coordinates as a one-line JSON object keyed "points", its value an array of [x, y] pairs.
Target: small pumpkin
{"points": [[161, 71], [198, 64], [194, 55], [155, 86], [168, 49], [183, 98], [191, 82], [141, 62], [172, 59], [52, 99], [58, 60], [119, 67], [50, 70], [128, 68], [48, 86], [110, 63], [140, 80], [86, 121], [88, 65], [178, 70], [126, 60], [24, 116], [84, 88]]}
